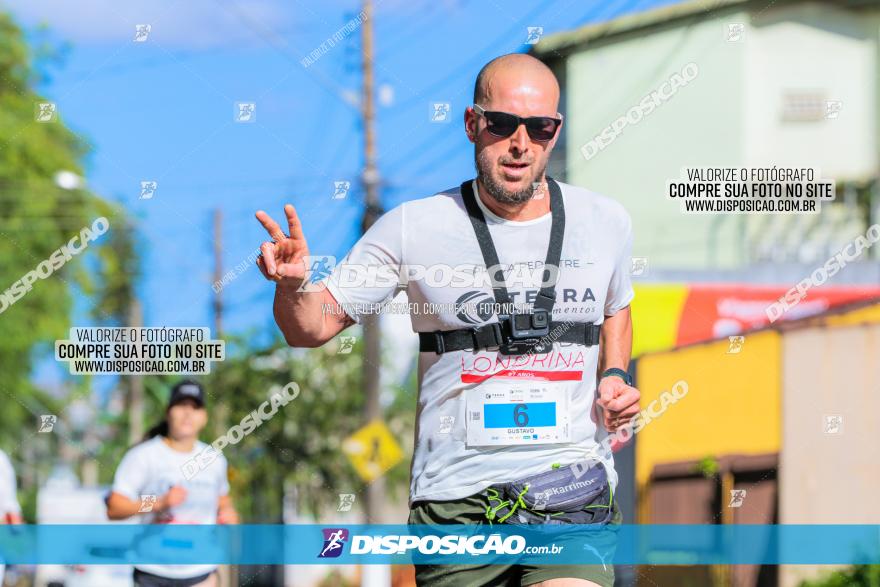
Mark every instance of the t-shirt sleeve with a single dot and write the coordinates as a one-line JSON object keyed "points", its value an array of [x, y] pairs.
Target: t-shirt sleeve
{"points": [[370, 274], [131, 475], [620, 290], [8, 491]]}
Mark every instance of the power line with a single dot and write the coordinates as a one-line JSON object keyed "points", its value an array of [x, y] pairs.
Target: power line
{"points": [[428, 147], [427, 15], [319, 77], [465, 68]]}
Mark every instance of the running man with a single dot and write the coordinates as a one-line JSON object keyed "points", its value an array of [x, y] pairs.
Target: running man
{"points": [[528, 374], [150, 483]]}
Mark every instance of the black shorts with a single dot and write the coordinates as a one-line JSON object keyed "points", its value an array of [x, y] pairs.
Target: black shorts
{"points": [[142, 579], [472, 510]]}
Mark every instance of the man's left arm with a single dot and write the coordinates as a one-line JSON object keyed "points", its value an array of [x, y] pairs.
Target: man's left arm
{"points": [[615, 341], [620, 402]]}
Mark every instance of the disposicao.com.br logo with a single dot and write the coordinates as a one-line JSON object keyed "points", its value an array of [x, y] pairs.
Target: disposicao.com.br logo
{"points": [[431, 544]]}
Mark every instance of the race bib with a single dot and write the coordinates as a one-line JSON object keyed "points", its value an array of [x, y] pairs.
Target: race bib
{"points": [[508, 412]]}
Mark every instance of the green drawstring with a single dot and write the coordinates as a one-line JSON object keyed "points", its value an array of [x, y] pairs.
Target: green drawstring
{"points": [[519, 503], [491, 512], [492, 495], [610, 500]]}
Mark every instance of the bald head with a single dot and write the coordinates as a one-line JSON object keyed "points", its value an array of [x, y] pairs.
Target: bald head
{"points": [[512, 72]]}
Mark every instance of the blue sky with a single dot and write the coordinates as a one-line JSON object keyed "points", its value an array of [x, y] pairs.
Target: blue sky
{"points": [[163, 110]]}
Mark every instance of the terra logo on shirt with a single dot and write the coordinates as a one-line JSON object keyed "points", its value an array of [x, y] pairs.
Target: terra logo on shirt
{"points": [[476, 307]]}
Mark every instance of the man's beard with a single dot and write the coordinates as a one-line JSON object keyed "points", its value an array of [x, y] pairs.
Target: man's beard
{"points": [[496, 189]]}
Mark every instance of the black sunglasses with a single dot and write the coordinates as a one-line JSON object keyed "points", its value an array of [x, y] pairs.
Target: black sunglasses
{"points": [[503, 124]]}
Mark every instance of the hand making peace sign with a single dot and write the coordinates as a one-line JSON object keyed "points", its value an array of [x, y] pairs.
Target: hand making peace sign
{"points": [[282, 257]]}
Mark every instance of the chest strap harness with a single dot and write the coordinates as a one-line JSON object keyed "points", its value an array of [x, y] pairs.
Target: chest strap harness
{"points": [[518, 332]]}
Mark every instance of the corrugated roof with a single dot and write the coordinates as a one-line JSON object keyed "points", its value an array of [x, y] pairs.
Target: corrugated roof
{"points": [[566, 41]]}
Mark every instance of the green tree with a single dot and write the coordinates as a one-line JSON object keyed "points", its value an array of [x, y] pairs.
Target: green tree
{"points": [[37, 217], [302, 445], [855, 576]]}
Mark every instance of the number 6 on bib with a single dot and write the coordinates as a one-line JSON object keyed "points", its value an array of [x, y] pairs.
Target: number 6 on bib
{"points": [[506, 413]]}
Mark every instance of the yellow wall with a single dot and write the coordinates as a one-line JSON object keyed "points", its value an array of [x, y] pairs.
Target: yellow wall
{"points": [[866, 315], [732, 405]]}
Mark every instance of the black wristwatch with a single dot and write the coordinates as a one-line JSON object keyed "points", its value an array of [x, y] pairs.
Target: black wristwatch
{"points": [[615, 372]]}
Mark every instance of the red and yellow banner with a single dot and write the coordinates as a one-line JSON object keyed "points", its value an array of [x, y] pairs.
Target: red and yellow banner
{"points": [[670, 315]]}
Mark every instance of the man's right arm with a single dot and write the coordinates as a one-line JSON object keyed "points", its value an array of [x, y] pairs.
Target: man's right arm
{"points": [[302, 316], [312, 317], [308, 319]]}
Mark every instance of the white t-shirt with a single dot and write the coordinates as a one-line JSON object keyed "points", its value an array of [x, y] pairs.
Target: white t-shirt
{"points": [[436, 232], [152, 468]]}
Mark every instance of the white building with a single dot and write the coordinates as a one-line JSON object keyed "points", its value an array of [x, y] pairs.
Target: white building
{"points": [[785, 83]]}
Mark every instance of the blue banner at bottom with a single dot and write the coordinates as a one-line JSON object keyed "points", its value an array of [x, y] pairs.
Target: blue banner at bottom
{"points": [[453, 544]]}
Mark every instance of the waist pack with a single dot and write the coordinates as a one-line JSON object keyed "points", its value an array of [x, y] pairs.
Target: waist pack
{"points": [[574, 494]]}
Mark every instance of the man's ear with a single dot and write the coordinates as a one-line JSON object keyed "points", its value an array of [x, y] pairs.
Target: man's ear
{"points": [[558, 132], [470, 124]]}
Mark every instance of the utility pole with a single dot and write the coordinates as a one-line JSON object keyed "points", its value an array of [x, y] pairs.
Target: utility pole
{"points": [[136, 383], [219, 409], [372, 211], [372, 575], [218, 271]]}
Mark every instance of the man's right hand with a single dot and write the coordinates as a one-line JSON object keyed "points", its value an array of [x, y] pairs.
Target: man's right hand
{"points": [[307, 317], [282, 257]]}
